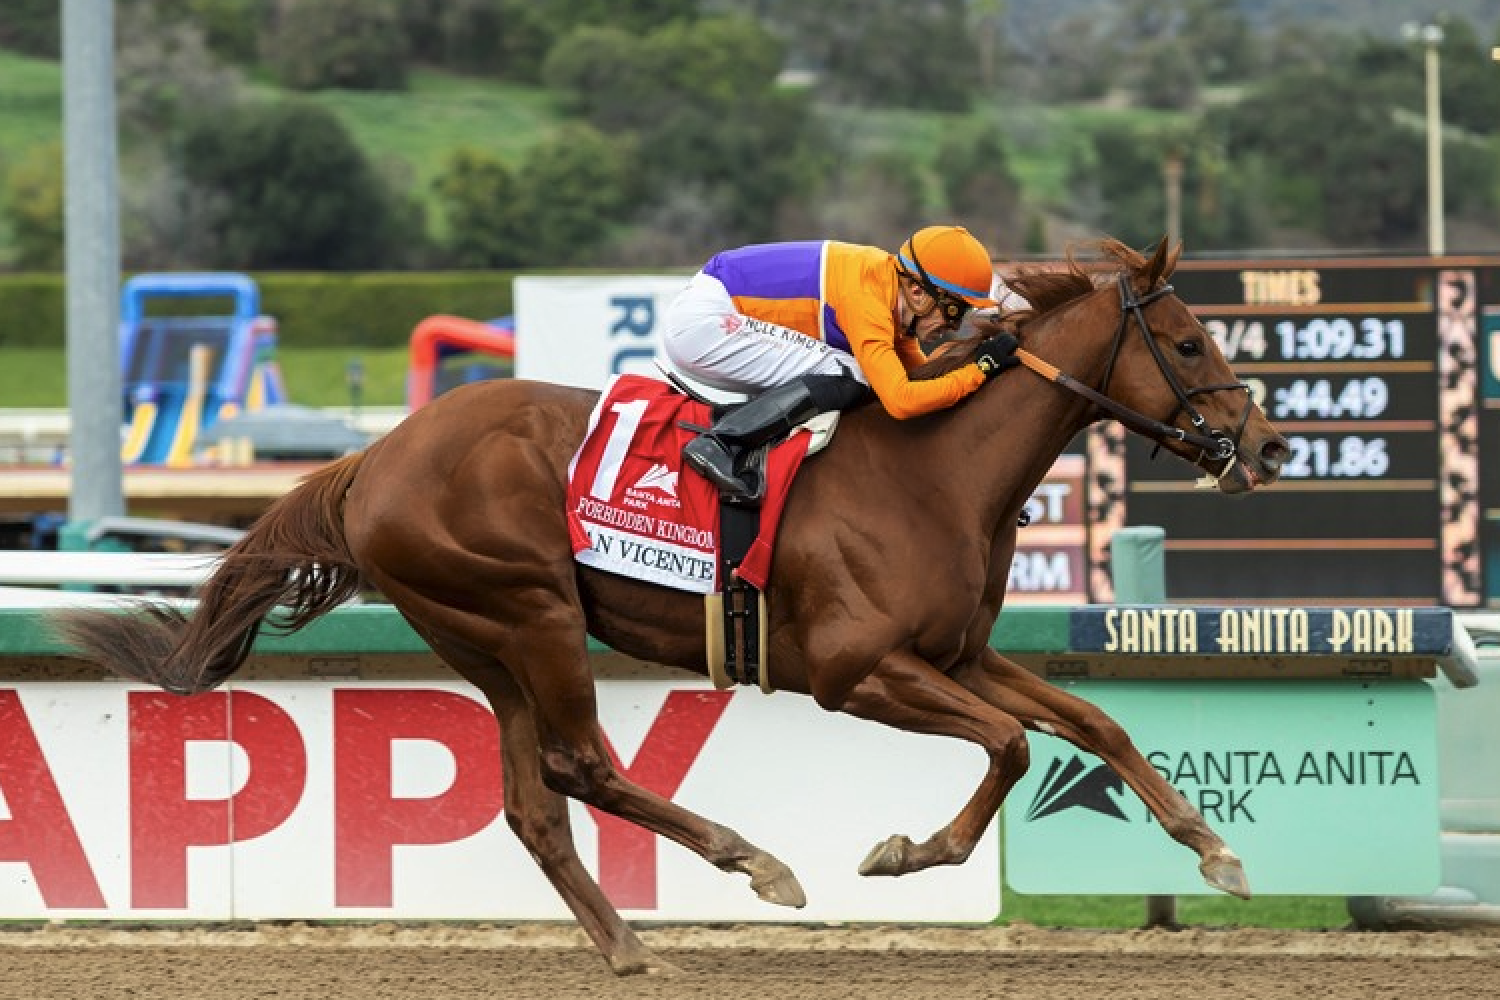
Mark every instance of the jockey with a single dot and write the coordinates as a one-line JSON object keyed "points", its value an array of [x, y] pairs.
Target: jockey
{"points": [[806, 328]]}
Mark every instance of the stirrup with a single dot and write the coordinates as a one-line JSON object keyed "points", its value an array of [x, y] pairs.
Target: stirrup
{"points": [[742, 488], [711, 470]]}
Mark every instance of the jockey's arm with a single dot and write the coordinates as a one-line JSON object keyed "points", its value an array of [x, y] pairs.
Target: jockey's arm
{"points": [[909, 350], [886, 366]]}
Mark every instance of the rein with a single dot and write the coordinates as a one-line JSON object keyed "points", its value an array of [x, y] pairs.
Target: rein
{"points": [[1213, 444]]}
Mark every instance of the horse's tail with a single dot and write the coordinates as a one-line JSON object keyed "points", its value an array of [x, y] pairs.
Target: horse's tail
{"points": [[294, 559]]}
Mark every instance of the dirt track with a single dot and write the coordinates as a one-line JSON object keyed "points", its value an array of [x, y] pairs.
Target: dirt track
{"points": [[382, 962]]}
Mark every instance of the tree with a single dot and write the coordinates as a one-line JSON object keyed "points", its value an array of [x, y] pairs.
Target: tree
{"points": [[623, 81], [572, 190], [982, 192], [1167, 75], [32, 27], [230, 28], [713, 63], [507, 39], [164, 70], [298, 193], [479, 199], [761, 152], [1122, 184], [354, 44], [33, 202], [1121, 188], [603, 76], [1218, 35], [1077, 58], [633, 16], [875, 199], [168, 223], [913, 54], [700, 97], [1340, 164]]}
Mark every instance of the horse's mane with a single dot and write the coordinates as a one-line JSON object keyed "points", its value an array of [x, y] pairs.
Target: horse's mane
{"points": [[1045, 287]]}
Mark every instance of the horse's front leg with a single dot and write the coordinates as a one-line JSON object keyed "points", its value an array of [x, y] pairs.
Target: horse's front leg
{"points": [[1046, 708], [906, 692]]}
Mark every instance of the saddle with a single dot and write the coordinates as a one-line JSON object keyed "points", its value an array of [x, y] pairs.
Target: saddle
{"points": [[735, 618], [632, 513]]}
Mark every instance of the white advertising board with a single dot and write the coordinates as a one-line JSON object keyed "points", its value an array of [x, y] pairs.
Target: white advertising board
{"points": [[320, 800], [581, 330]]}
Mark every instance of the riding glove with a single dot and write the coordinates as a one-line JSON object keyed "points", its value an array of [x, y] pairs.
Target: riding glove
{"points": [[997, 354]]}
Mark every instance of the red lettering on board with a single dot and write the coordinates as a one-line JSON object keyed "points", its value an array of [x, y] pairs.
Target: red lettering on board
{"points": [[627, 853], [164, 822], [369, 821], [39, 831]]}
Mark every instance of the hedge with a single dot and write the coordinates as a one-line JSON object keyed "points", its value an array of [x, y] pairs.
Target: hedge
{"points": [[311, 310]]}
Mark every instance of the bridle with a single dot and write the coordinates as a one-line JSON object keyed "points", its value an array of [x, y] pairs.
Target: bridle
{"points": [[1213, 445]]}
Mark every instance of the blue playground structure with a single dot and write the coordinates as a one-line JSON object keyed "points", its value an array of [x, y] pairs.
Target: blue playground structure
{"points": [[184, 373]]}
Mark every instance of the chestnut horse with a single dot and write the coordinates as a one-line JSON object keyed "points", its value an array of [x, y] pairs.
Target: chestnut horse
{"points": [[890, 570]]}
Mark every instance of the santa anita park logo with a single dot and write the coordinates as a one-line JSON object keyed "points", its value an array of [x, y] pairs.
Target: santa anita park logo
{"points": [[1226, 786]]}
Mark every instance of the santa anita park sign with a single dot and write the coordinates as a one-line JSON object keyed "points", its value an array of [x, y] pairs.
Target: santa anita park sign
{"points": [[1295, 776]]}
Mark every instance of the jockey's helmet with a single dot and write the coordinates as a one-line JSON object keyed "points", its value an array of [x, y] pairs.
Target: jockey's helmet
{"points": [[951, 265]]}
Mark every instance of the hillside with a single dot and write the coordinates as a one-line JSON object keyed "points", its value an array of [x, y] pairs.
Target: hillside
{"points": [[440, 112], [413, 132]]}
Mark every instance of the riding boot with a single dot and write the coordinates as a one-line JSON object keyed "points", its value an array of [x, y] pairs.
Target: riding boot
{"points": [[715, 454]]}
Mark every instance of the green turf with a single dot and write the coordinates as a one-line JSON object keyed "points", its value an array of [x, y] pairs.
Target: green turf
{"points": [[33, 377], [319, 376], [37, 377]]}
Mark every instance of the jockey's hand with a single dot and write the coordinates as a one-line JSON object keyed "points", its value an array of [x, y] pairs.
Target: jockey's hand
{"points": [[997, 354]]}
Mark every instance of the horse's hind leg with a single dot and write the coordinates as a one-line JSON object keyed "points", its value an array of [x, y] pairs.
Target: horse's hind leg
{"points": [[905, 692], [1049, 709], [544, 647], [539, 818], [576, 762]]}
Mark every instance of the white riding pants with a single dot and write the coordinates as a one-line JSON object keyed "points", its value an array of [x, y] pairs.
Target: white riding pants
{"points": [[712, 342]]}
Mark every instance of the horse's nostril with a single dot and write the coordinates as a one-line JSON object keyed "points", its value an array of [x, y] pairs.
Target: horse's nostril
{"points": [[1273, 453]]}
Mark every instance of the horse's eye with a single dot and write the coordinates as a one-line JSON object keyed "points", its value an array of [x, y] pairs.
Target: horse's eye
{"points": [[1190, 348]]}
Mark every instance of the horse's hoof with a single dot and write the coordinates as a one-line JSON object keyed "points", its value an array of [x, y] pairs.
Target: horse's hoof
{"points": [[1225, 873], [641, 962], [775, 883], [887, 857]]}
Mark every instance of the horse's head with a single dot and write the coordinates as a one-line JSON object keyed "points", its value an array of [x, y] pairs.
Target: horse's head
{"points": [[1162, 374]]}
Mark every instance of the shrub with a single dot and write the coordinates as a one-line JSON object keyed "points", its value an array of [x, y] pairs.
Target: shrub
{"points": [[354, 44]]}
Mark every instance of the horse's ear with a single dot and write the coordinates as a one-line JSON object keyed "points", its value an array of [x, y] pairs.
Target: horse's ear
{"points": [[1163, 263]]}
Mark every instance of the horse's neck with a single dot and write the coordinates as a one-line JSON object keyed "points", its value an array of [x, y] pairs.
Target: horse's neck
{"points": [[1012, 432]]}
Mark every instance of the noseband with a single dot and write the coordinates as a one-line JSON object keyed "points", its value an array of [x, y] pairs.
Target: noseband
{"points": [[1214, 445]]}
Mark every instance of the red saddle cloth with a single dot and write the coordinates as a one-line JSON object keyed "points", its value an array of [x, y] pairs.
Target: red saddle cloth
{"points": [[633, 511]]}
